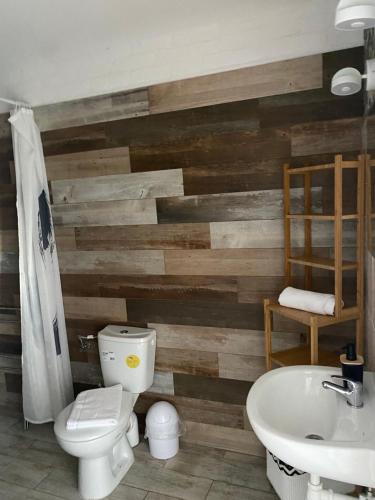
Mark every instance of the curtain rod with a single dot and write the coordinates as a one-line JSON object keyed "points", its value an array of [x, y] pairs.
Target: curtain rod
{"points": [[15, 103]]}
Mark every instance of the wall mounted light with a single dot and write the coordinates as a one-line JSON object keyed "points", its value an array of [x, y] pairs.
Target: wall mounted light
{"points": [[355, 15], [348, 81]]}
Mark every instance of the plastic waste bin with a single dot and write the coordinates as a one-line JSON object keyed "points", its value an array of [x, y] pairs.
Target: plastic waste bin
{"points": [[163, 429]]}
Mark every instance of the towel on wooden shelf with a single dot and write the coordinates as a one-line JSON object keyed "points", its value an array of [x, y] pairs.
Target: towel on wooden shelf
{"points": [[319, 303], [96, 408]]}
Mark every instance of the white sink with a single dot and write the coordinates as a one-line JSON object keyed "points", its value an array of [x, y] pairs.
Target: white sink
{"points": [[288, 404]]}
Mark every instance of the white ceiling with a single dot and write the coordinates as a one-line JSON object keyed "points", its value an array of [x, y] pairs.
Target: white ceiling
{"points": [[57, 50]]}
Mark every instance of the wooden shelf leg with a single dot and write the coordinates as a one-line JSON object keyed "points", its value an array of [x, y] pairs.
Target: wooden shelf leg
{"points": [[314, 342], [360, 327], [268, 333], [338, 235], [308, 229], [359, 335], [287, 232]]}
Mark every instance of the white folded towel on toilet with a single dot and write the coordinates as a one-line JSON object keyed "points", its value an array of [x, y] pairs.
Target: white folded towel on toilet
{"points": [[319, 303], [95, 408]]}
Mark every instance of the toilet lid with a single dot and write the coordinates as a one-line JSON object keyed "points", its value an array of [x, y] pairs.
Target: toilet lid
{"points": [[89, 434]]}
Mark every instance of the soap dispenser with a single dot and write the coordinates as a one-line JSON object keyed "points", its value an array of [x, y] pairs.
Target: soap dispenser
{"points": [[352, 364]]}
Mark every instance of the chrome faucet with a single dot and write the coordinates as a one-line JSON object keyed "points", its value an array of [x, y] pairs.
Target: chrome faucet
{"points": [[352, 392]]}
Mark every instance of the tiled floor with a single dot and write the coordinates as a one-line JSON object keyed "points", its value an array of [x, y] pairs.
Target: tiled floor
{"points": [[33, 467]]}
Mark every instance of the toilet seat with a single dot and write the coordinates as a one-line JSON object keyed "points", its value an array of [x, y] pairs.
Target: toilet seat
{"points": [[93, 433]]}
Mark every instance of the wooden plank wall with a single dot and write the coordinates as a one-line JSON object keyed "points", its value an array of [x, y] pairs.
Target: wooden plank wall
{"points": [[167, 205]]}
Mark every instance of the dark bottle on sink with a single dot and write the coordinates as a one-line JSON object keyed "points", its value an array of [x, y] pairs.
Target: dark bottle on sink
{"points": [[352, 364]]}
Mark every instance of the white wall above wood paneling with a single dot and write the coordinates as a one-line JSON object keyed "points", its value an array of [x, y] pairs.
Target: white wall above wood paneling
{"points": [[58, 51]]}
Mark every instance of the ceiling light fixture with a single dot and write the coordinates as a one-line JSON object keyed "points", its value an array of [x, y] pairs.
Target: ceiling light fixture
{"points": [[355, 15], [348, 81]]}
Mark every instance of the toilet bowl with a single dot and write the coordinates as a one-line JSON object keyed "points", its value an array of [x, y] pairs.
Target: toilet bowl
{"points": [[127, 357], [104, 453]]}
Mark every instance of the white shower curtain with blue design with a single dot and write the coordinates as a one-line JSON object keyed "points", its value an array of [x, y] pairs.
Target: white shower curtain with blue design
{"points": [[46, 374]]}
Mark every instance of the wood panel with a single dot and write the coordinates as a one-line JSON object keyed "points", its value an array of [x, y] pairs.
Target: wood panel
{"points": [[88, 164], [332, 136], [144, 237], [307, 107], [10, 328], [8, 262], [240, 367], [216, 436], [208, 313], [92, 110], [107, 309], [163, 383], [245, 262], [10, 344], [242, 146], [270, 234], [9, 240], [254, 289], [8, 217], [65, 238], [233, 176], [212, 389], [238, 85], [195, 288], [185, 361], [106, 213], [195, 410], [9, 287], [251, 205], [112, 262], [219, 340], [226, 117], [75, 139], [119, 187]]}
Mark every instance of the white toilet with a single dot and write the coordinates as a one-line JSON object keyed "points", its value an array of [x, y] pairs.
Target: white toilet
{"points": [[127, 357]]}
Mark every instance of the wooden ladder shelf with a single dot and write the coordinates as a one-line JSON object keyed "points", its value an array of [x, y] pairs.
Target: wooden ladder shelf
{"points": [[310, 353]]}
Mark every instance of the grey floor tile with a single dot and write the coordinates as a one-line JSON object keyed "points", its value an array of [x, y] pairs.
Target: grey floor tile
{"points": [[13, 492], [233, 468], [225, 491], [64, 483], [123, 492], [5, 460], [13, 445], [24, 473], [157, 496], [49, 453], [43, 432], [7, 421], [167, 482]]}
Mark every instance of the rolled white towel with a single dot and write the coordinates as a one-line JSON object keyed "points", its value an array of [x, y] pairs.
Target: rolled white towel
{"points": [[319, 303], [95, 408]]}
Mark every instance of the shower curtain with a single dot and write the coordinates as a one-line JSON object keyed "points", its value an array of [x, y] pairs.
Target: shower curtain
{"points": [[46, 375]]}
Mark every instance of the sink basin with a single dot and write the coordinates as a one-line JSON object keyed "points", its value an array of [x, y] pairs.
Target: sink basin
{"points": [[288, 404]]}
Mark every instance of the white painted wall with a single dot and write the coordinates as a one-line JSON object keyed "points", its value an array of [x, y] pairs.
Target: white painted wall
{"points": [[58, 50]]}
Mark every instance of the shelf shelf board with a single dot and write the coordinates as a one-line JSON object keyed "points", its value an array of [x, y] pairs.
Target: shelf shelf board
{"points": [[306, 318], [326, 166], [301, 356], [321, 263], [312, 168], [320, 217]]}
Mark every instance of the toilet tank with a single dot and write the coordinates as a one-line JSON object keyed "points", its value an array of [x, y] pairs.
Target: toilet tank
{"points": [[127, 357]]}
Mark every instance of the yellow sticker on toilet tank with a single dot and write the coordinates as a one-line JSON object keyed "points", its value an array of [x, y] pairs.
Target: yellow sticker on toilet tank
{"points": [[132, 361]]}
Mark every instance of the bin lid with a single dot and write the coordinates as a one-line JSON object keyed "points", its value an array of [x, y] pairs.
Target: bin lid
{"points": [[128, 334], [162, 421]]}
